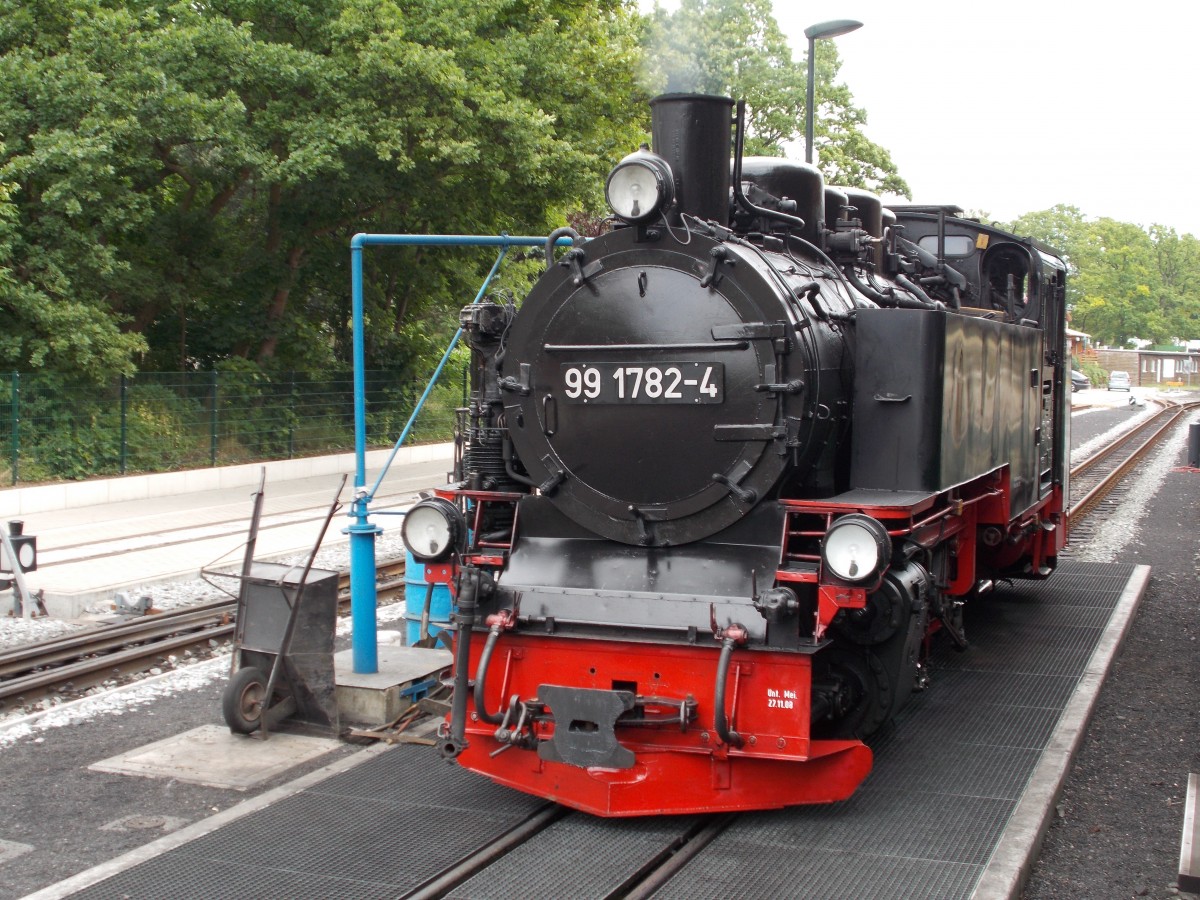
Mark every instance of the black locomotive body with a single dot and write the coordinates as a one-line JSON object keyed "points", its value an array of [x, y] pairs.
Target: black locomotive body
{"points": [[726, 471]]}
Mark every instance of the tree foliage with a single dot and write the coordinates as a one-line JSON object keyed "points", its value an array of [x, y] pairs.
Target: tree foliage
{"points": [[179, 181], [1126, 282], [735, 48]]}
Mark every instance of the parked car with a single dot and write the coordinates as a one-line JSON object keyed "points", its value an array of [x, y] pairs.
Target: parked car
{"points": [[1079, 381], [1119, 381]]}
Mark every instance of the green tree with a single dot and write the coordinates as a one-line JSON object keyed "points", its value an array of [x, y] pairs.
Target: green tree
{"points": [[62, 194], [1125, 281], [183, 179], [735, 48], [1177, 258], [1062, 227], [1117, 283]]}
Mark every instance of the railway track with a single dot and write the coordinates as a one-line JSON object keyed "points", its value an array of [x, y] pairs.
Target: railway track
{"points": [[628, 860], [1098, 480], [82, 660], [74, 552]]}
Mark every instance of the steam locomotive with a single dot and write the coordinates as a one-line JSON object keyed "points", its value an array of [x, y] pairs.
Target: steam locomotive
{"points": [[729, 469]]}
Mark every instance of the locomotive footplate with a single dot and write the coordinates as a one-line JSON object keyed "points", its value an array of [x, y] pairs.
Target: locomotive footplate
{"points": [[585, 727]]}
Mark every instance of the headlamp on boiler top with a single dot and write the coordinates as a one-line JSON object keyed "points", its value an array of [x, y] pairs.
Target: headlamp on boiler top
{"points": [[640, 187]]}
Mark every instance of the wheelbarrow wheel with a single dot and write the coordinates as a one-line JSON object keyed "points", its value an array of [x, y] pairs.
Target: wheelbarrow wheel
{"points": [[244, 698]]}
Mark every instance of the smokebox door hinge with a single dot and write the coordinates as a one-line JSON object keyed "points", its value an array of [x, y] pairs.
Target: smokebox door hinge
{"points": [[748, 432], [574, 260]]}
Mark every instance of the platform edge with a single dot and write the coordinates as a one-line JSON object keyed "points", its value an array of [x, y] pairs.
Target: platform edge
{"points": [[1007, 870]]}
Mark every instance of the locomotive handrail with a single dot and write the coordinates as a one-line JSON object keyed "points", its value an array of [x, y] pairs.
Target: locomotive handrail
{"points": [[364, 633], [625, 348]]}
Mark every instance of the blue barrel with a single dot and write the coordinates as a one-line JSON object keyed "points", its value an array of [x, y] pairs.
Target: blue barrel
{"points": [[415, 588]]}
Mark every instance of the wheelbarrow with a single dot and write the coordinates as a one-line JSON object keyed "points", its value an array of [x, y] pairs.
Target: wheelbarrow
{"points": [[282, 666]]}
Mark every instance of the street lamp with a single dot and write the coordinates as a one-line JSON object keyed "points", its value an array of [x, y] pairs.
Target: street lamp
{"points": [[814, 33]]}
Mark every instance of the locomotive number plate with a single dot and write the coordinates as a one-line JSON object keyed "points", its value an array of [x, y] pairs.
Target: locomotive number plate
{"points": [[624, 382]]}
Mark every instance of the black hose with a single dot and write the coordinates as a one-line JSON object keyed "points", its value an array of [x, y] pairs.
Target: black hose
{"points": [[913, 287], [506, 453], [721, 721], [896, 300], [867, 291], [481, 679], [739, 195], [812, 290]]}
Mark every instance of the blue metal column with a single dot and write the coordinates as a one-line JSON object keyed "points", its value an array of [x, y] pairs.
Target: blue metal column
{"points": [[365, 636]]}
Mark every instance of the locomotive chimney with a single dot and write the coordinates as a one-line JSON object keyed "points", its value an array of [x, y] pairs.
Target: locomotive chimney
{"points": [[693, 133]]}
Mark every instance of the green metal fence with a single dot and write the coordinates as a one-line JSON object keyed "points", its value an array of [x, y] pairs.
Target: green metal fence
{"points": [[53, 430]]}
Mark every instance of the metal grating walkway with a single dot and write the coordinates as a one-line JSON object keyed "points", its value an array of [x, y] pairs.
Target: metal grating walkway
{"points": [[947, 778]]}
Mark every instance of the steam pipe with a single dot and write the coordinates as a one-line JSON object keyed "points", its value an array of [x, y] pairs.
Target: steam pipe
{"points": [[553, 239], [871, 294], [506, 452], [485, 660], [885, 299], [739, 196], [915, 288]]}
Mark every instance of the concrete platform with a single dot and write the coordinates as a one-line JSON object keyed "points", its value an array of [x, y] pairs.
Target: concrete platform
{"points": [[374, 700], [212, 756], [98, 537], [962, 790]]}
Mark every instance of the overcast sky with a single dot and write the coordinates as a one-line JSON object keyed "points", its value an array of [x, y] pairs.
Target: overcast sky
{"points": [[1012, 107]]}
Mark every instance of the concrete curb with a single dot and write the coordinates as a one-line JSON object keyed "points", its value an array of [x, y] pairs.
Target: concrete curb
{"points": [[1006, 872]]}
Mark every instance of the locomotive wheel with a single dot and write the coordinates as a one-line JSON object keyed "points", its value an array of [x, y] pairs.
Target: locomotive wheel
{"points": [[866, 680], [243, 700]]}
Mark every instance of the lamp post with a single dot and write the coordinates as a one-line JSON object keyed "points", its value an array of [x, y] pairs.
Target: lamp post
{"points": [[814, 33]]}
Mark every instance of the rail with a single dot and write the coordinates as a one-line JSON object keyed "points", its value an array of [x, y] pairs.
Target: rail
{"points": [[83, 660], [632, 875], [1096, 477]]}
